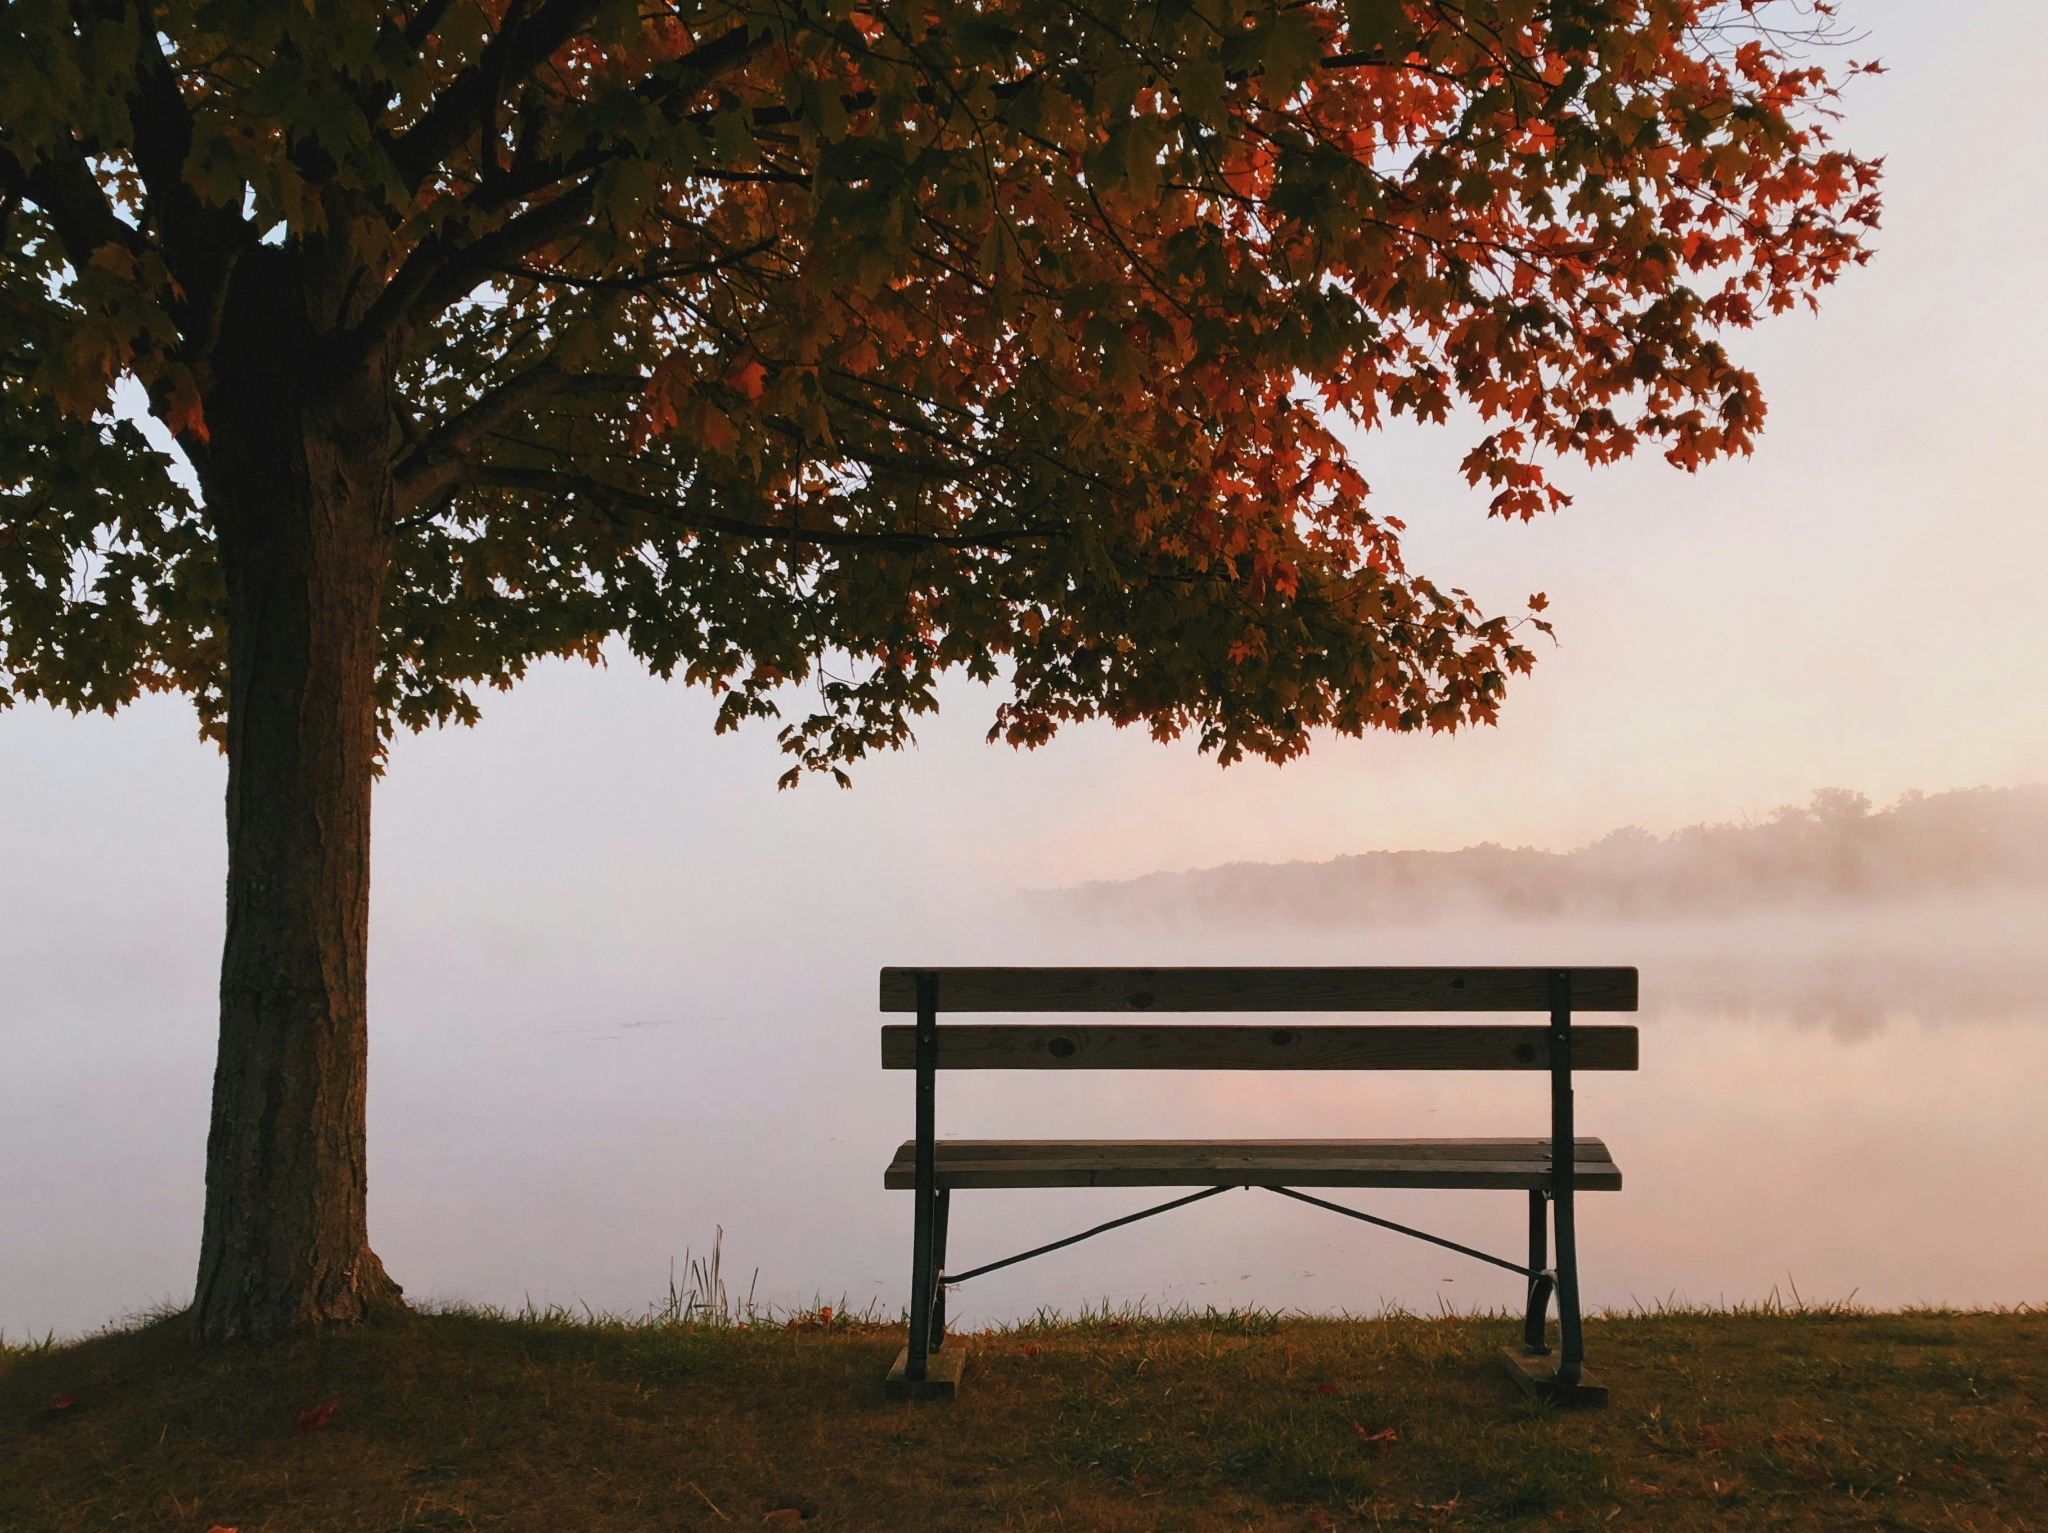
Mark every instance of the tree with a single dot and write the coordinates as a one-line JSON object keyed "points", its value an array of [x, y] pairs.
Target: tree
{"points": [[825, 342]]}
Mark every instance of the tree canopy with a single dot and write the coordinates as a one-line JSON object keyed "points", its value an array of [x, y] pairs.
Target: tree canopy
{"points": [[843, 343]]}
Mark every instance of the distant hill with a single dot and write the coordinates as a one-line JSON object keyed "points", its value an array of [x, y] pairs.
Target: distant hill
{"points": [[1834, 850]]}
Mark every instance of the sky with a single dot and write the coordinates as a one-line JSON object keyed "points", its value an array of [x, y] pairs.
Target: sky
{"points": [[622, 987]]}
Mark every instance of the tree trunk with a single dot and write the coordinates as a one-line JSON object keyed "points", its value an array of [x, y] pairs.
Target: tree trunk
{"points": [[297, 482]]}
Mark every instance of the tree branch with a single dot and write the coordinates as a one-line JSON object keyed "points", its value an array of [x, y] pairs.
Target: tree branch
{"points": [[434, 462], [75, 201], [615, 498], [521, 45], [200, 244]]}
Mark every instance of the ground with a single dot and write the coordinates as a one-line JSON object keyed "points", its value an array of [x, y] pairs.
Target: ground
{"points": [[465, 1420]]}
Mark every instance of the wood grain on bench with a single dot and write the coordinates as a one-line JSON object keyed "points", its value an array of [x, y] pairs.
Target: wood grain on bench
{"points": [[1241, 989], [1474, 1163], [1210, 1046]]}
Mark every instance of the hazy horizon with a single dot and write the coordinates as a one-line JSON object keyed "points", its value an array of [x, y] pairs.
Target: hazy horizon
{"points": [[1834, 849]]}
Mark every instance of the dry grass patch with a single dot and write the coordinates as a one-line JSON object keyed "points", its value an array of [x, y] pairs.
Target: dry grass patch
{"points": [[466, 1420]]}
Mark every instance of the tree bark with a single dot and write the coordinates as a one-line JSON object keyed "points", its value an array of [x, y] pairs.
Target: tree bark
{"points": [[297, 479]]}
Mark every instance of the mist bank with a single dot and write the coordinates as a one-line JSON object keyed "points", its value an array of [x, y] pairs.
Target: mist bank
{"points": [[1834, 852]]}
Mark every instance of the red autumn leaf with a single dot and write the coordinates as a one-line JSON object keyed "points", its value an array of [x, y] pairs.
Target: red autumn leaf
{"points": [[714, 429], [182, 409], [748, 378], [314, 1419]]}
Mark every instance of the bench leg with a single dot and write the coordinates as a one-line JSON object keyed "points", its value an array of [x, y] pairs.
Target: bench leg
{"points": [[920, 1285], [927, 1369], [1540, 1280], [942, 1207], [924, 1215], [1571, 1343]]}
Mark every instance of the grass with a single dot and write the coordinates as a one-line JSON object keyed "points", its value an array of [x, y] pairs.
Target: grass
{"points": [[1769, 1418]]}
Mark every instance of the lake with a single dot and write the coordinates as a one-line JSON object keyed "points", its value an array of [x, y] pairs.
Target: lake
{"points": [[1834, 1102]]}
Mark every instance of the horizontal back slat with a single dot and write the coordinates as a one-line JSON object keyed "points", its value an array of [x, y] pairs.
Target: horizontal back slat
{"points": [[1260, 989], [1199, 1046]]}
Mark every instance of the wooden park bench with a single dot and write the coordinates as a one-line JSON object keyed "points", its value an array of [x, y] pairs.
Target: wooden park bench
{"points": [[1550, 1170]]}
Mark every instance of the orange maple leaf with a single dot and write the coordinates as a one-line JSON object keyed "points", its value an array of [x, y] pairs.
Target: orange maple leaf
{"points": [[748, 378], [181, 410]]}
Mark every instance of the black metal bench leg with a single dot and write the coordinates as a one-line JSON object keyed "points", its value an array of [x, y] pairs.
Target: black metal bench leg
{"points": [[923, 1218], [942, 1207], [1564, 1182], [1540, 1279], [1571, 1343]]}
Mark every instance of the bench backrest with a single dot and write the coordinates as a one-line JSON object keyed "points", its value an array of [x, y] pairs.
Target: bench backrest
{"points": [[1208, 1046]]}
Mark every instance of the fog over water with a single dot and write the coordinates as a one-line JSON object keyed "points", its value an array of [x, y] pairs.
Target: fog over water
{"points": [[598, 1038], [623, 992]]}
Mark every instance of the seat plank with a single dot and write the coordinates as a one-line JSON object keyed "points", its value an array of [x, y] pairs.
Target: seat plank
{"points": [[1213, 1046], [1473, 1163], [1258, 989]]}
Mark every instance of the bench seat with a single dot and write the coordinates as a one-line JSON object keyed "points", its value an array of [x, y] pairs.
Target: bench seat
{"points": [[1477, 1163]]}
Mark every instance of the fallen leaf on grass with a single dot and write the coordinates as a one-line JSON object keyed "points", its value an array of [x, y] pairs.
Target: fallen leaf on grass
{"points": [[1383, 1439], [314, 1419]]}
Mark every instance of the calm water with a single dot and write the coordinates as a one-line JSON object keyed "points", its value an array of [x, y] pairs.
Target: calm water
{"points": [[1841, 1102]]}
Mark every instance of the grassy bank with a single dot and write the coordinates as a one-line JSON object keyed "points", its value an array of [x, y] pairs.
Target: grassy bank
{"points": [[1835, 1420]]}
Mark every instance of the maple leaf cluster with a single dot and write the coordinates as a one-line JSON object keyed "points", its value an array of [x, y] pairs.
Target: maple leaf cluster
{"points": [[847, 343]]}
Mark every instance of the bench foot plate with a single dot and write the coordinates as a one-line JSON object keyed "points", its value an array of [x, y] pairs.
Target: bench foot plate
{"points": [[1537, 1377], [941, 1379]]}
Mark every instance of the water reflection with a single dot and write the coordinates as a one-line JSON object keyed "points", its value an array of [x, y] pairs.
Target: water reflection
{"points": [[1834, 1100]]}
